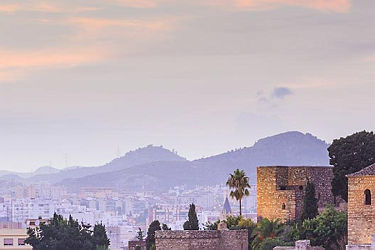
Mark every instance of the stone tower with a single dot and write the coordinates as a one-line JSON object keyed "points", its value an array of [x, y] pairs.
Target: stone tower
{"points": [[361, 206], [281, 189]]}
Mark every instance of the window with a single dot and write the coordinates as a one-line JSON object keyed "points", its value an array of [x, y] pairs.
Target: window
{"points": [[283, 206], [8, 242], [300, 188], [367, 197], [21, 242]]}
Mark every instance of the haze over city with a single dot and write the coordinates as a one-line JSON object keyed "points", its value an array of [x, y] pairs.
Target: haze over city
{"points": [[187, 124], [82, 82]]}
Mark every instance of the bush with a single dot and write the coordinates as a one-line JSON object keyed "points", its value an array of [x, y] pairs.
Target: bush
{"points": [[329, 229], [270, 243]]}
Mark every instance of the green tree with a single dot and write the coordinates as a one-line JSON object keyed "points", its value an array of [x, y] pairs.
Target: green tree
{"points": [[102, 248], [211, 226], [165, 227], [150, 239], [266, 229], [192, 222], [328, 229], [349, 155], [250, 226], [140, 235], [232, 221], [239, 183], [310, 203], [152, 247], [62, 234], [100, 237], [270, 243]]}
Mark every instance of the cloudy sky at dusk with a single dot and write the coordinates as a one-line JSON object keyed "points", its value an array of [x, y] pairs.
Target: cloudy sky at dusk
{"points": [[81, 78]]}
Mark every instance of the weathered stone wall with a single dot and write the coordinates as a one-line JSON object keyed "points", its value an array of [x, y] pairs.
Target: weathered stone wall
{"points": [[322, 178], [300, 245], [361, 217], [359, 247], [286, 185], [133, 244], [233, 239], [196, 240]]}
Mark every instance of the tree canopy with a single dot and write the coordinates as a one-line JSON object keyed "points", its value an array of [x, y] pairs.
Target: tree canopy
{"points": [[192, 222], [310, 203], [150, 239], [267, 231], [239, 183], [349, 155], [63, 234], [328, 229]]}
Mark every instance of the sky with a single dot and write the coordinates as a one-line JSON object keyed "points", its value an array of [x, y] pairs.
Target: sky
{"points": [[83, 81]]}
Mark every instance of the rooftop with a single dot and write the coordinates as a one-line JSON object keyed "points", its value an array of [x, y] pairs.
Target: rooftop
{"points": [[370, 170]]}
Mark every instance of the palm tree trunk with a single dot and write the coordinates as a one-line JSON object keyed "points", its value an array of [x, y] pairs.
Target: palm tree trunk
{"points": [[240, 208]]}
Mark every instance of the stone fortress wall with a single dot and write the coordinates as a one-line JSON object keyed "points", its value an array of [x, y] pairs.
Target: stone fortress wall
{"points": [[361, 216], [205, 240], [280, 190]]}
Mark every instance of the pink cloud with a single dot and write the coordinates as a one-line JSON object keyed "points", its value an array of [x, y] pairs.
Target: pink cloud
{"points": [[10, 8], [138, 3], [99, 23], [321, 5], [55, 57], [35, 6], [14, 64]]}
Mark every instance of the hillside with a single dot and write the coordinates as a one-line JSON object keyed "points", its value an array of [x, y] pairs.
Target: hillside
{"points": [[291, 148], [133, 158]]}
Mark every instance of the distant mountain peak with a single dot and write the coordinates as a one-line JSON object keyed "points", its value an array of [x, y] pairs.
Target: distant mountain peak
{"points": [[46, 170], [155, 153], [290, 137], [144, 155], [159, 168]]}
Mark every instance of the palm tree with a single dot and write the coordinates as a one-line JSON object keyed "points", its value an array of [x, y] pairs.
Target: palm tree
{"points": [[266, 229], [239, 182]]}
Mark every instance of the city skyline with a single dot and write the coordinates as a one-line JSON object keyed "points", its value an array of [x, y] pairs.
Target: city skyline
{"points": [[84, 78]]}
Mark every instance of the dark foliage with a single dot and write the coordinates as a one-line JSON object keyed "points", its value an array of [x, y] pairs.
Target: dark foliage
{"points": [[349, 155], [62, 234], [328, 229], [238, 182], [192, 222], [150, 239], [310, 203], [100, 237], [211, 226]]}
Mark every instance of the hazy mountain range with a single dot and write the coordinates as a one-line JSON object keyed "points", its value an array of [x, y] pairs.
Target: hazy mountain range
{"points": [[157, 168]]}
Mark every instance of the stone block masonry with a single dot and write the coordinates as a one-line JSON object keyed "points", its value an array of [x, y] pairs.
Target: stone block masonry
{"points": [[361, 216], [202, 240], [281, 189]]}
